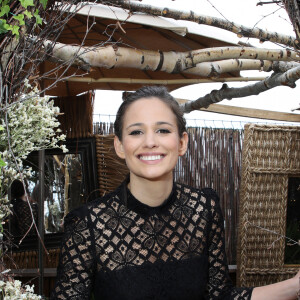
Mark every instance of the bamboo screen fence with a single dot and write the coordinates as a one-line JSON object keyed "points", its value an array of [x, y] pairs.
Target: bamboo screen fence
{"points": [[76, 115], [213, 160]]}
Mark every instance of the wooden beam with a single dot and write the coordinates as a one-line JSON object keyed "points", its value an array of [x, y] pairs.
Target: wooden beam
{"points": [[48, 272], [248, 112], [161, 81]]}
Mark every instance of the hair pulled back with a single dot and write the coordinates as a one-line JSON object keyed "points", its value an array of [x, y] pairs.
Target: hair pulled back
{"points": [[159, 92], [17, 189]]}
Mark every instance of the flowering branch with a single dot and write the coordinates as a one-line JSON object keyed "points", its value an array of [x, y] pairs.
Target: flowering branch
{"points": [[19, 139]]}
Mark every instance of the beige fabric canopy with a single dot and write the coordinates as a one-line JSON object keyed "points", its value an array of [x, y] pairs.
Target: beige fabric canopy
{"points": [[139, 31]]}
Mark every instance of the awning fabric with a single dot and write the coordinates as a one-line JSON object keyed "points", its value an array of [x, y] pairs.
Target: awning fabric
{"points": [[111, 25]]}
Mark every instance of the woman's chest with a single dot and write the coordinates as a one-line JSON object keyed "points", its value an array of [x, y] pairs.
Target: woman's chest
{"points": [[125, 238]]}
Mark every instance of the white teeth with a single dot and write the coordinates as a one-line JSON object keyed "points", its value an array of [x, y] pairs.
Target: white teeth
{"points": [[151, 157]]}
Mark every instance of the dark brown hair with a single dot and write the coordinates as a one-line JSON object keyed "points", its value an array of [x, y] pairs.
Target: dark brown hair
{"points": [[17, 189], [159, 92]]}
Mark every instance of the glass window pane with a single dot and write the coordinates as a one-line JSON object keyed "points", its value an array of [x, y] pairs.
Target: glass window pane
{"points": [[64, 187], [292, 249]]}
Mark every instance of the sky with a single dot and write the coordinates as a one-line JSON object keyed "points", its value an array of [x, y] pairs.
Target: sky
{"points": [[268, 17]]}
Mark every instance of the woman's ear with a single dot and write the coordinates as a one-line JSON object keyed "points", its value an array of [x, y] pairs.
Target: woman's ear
{"points": [[119, 148], [184, 140]]}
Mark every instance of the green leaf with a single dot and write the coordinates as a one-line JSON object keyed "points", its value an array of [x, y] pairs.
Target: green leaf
{"points": [[4, 10], [15, 30], [2, 28], [37, 17], [20, 18], [26, 3], [7, 26], [4, 2], [44, 3], [2, 163], [28, 14]]}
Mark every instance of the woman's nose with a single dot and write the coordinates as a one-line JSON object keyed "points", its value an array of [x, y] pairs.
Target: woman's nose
{"points": [[150, 140]]}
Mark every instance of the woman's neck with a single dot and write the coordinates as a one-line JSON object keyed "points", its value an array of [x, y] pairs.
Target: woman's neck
{"points": [[151, 193], [24, 198]]}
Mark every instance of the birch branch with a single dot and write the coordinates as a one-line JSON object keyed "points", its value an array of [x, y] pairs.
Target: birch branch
{"points": [[216, 68], [277, 79], [240, 30], [170, 62], [8, 51]]}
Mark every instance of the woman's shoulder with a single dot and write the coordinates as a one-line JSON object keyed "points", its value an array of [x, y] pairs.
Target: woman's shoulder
{"points": [[208, 191], [97, 205], [206, 194]]}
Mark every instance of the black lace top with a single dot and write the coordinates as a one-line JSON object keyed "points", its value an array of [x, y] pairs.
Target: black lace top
{"points": [[119, 248], [21, 219]]}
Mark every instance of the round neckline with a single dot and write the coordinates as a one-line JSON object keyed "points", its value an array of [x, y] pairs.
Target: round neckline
{"points": [[144, 209]]}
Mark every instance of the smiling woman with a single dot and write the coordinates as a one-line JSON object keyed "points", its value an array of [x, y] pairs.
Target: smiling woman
{"points": [[151, 238], [150, 145]]}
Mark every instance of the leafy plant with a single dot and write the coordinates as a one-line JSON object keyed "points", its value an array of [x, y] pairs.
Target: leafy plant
{"points": [[13, 19]]}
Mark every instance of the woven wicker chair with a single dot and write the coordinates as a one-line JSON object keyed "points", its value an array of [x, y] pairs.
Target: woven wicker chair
{"points": [[270, 155]]}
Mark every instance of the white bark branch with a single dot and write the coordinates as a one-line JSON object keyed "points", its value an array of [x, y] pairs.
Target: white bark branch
{"points": [[216, 68], [170, 62], [286, 79], [240, 30]]}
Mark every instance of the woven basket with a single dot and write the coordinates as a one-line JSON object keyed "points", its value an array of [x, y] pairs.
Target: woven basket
{"points": [[270, 155], [111, 169]]}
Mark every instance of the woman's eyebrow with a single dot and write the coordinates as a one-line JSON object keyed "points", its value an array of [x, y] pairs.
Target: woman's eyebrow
{"points": [[164, 123], [134, 124]]}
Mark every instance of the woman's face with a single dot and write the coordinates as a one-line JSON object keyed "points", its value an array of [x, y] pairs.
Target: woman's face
{"points": [[150, 140]]}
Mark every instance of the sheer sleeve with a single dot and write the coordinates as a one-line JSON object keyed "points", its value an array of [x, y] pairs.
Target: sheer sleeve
{"points": [[75, 271], [219, 282]]}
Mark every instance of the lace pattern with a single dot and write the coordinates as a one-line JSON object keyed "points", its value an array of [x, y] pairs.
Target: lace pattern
{"points": [[174, 251]]}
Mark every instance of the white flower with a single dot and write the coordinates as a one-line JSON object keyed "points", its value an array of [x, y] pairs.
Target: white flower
{"points": [[29, 288], [32, 124], [64, 149], [13, 290]]}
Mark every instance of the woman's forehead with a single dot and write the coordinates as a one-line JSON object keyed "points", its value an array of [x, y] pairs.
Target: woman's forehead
{"points": [[149, 109]]}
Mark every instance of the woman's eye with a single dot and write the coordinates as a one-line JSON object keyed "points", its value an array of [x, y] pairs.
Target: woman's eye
{"points": [[163, 131], [135, 132]]}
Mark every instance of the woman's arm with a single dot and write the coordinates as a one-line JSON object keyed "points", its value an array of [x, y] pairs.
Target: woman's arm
{"points": [[284, 290]]}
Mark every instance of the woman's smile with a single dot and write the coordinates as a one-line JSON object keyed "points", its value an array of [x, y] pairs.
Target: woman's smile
{"points": [[150, 157]]}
